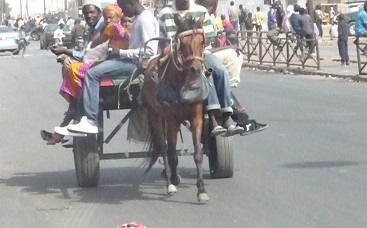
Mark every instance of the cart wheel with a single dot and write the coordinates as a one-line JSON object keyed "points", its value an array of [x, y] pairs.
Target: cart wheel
{"points": [[86, 161], [221, 157]]}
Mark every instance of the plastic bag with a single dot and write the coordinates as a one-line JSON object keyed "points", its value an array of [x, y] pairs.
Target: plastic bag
{"points": [[96, 54], [316, 30]]}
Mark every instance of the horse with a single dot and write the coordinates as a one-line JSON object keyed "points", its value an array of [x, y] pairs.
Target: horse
{"points": [[183, 66]]}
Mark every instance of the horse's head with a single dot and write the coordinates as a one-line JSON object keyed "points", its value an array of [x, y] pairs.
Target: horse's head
{"points": [[190, 42]]}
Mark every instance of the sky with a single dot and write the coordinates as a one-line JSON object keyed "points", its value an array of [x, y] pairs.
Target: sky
{"points": [[34, 6]]}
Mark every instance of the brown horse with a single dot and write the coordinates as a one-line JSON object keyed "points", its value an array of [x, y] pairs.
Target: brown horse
{"points": [[183, 66]]}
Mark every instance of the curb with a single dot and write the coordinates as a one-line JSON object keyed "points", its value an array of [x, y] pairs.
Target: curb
{"points": [[298, 71]]}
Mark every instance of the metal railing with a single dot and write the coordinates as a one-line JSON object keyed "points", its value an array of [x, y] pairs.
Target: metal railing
{"points": [[257, 48], [361, 50]]}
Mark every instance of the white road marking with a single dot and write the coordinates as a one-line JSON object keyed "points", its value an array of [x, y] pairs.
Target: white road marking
{"points": [[9, 56]]}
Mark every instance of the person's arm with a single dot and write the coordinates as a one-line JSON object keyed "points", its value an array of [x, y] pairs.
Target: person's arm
{"points": [[56, 34], [73, 32], [273, 16], [162, 32], [214, 50], [312, 26], [61, 50], [147, 31], [364, 19], [107, 34]]}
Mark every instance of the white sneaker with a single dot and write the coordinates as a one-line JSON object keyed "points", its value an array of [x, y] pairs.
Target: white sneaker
{"points": [[64, 131], [84, 126]]}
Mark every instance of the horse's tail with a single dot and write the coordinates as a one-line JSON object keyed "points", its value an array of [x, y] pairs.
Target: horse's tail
{"points": [[153, 148]]}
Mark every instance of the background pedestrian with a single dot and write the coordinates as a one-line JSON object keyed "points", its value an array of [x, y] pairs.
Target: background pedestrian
{"points": [[233, 14], [343, 40]]}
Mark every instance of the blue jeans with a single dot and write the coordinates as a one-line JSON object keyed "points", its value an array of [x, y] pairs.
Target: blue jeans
{"points": [[88, 102], [220, 93], [235, 25]]}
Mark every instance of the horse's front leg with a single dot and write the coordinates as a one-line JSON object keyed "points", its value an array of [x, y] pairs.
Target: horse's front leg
{"points": [[197, 126], [173, 126], [159, 142]]}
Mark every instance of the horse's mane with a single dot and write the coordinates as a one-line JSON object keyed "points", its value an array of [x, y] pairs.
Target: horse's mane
{"points": [[188, 23]]}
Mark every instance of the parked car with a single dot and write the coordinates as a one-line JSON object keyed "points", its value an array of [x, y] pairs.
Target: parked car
{"points": [[8, 39], [47, 36], [351, 18]]}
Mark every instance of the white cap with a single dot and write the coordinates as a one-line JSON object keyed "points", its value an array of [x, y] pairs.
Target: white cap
{"points": [[96, 3]]}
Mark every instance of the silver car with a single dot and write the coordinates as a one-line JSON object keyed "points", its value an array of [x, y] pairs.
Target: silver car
{"points": [[8, 39]]}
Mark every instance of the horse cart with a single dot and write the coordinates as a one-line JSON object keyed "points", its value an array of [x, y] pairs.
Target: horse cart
{"points": [[121, 93]]}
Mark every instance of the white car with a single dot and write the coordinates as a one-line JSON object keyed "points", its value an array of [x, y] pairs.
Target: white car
{"points": [[8, 39]]}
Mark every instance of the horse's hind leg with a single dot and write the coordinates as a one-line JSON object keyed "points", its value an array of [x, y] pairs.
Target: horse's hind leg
{"points": [[172, 129], [197, 125]]}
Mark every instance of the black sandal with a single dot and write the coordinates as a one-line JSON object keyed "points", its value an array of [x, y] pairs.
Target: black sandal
{"points": [[48, 137]]}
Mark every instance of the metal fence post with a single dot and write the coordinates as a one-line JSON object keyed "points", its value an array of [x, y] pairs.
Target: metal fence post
{"points": [[317, 54], [260, 40], [248, 46], [274, 63], [358, 56], [287, 44]]}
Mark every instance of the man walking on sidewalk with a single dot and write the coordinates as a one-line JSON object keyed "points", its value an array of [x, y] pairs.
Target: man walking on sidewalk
{"points": [[233, 14], [307, 29], [343, 40], [274, 29], [296, 26], [258, 17]]}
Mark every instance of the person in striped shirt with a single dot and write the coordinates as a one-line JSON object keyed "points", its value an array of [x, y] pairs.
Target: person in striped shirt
{"points": [[220, 94], [220, 74]]}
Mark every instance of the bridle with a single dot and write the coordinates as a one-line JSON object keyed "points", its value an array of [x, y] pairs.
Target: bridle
{"points": [[177, 57]]}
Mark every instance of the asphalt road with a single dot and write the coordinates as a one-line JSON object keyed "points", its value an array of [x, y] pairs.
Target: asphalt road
{"points": [[307, 170]]}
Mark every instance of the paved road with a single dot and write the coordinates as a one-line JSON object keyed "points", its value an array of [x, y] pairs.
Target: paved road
{"points": [[307, 170]]}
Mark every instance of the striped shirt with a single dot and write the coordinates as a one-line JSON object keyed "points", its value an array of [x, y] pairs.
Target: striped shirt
{"points": [[168, 28]]}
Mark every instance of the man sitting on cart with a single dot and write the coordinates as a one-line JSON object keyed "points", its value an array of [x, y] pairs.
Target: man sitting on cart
{"points": [[120, 62], [220, 74], [93, 15]]}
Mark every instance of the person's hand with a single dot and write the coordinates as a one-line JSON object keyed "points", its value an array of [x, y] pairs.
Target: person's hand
{"points": [[236, 49], [58, 50], [113, 53]]}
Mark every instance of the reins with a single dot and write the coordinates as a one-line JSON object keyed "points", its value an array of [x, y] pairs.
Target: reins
{"points": [[175, 50]]}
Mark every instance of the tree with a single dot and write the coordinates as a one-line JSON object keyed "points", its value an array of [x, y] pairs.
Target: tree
{"points": [[4, 9], [310, 9]]}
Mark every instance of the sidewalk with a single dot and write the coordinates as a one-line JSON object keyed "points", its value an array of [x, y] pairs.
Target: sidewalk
{"points": [[330, 65]]}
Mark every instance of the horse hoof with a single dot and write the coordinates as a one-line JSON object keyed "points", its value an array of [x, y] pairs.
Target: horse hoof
{"points": [[171, 189], [176, 180], [203, 198]]}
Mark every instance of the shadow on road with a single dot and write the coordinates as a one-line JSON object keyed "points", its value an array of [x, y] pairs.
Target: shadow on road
{"points": [[117, 185], [321, 164]]}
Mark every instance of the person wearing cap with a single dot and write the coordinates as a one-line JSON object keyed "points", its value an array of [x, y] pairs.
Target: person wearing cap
{"points": [[120, 62], [221, 97], [93, 17]]}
